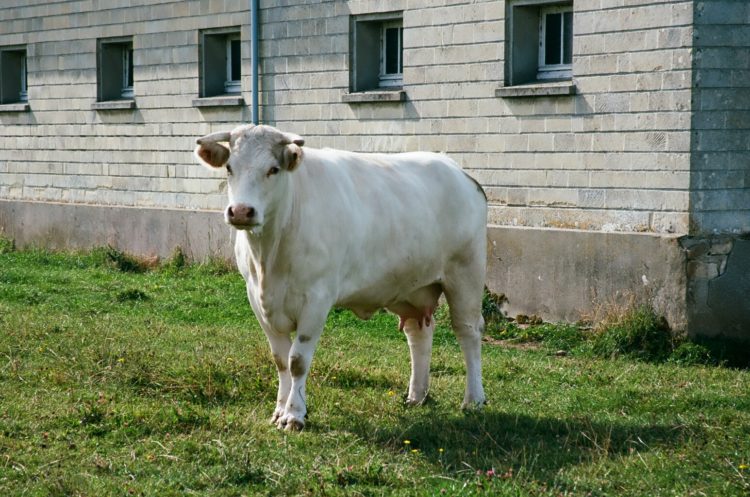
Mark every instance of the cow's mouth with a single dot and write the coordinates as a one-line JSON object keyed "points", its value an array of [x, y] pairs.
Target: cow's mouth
{"points": [[243, 226]]}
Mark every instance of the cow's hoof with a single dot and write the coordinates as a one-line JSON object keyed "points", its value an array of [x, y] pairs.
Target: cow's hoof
{"points": [[277, 414], [474, 405], [294, 425], [289, 422], [416, 401]]}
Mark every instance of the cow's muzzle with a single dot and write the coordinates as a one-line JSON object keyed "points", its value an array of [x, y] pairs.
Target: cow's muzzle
{"points": [[241, 216]]}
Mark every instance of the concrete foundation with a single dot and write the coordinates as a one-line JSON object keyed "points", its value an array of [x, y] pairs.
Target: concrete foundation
{"points": [[141, 231], [568, 275]]}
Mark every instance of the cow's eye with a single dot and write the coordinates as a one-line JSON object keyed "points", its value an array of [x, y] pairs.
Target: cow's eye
{"points": [[229, 170], [273, 170]]}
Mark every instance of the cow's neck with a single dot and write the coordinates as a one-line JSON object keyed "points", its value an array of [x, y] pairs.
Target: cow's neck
{"points": [[266, 245]]}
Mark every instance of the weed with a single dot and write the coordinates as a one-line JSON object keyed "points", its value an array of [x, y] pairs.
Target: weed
{"points": [[554, 337], [132, 295], [177, 261], [565, 337], [492, 306], [216, 266], [639, 333], [111, 257], [7, 245], [691, 354]]}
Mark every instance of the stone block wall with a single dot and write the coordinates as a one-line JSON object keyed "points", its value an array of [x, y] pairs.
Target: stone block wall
{"points": [[62, 150], [720, 176], [615, 156]]}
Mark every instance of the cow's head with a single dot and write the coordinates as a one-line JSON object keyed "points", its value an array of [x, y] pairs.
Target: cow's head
{"points": [[258, 160]]}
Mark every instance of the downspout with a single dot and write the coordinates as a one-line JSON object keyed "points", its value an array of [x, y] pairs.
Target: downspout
{"points": [[254, 39]]}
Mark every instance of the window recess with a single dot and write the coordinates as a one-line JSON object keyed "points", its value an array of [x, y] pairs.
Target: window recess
{"points": [[555, 43], [221, 62], [540, 42], [13, 75], [377, 52], [115, 69]]}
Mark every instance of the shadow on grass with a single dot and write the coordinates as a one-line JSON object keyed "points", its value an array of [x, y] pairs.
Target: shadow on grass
{"points": [[537, 448]]}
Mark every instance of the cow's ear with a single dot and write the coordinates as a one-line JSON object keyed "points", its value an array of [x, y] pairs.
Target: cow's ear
{"points": [[292, 155], [210, 150]]}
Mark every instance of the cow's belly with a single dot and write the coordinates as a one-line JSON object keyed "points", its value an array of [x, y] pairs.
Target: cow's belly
{"points": [[407, 301]]}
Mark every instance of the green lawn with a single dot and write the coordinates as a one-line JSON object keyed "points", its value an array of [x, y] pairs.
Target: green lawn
{"points": [[160, 383]]}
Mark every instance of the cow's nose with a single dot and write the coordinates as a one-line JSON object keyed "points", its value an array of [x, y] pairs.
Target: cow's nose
{"points": [[240, 214]]}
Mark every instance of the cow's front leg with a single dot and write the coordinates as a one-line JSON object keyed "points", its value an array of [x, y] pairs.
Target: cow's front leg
{"points": [[281, 343], [309, 330], [419, 336]]}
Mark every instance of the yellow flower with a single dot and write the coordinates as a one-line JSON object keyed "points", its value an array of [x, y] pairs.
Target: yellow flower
{"points": [[414, 451], [391, 393], [407, 442], [743, 466], [441, 450]]}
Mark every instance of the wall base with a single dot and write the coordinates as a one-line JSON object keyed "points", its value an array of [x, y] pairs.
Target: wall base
{"points": [[569, 275], [142, 231], [700, 284]]}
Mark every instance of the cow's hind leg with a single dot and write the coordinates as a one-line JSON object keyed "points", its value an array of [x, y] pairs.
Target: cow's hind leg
{"points": [[463, 288], [419, 336]]}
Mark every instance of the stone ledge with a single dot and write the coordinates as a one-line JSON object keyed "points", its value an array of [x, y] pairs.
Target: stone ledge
{"points": [[221, 101], [376, 96], [550, 89], [114, 105], [15, 107]]}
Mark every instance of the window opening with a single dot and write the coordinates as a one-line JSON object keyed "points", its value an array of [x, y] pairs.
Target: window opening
{"points": [[234, 64], [13, 75], [127, 72], [391, 59], [555, 43], [23, 95]]}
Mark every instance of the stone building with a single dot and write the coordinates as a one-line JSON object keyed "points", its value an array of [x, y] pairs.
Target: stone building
{"points": [[611, 136]]}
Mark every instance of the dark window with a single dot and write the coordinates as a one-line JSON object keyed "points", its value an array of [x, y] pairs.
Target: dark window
{"points": [[115, 69], [552, 39], [236, 60], [558, 39], [13, 75], [377, 51], [129, 65], [568, 38], [221, 62], [556, 42], [392, 50], [540, 41]]}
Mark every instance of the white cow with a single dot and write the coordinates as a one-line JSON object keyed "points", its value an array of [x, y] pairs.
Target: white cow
{"points": [[324, 228]]}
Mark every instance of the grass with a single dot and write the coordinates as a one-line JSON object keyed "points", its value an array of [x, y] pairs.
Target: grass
{"points": [[125, 377]]}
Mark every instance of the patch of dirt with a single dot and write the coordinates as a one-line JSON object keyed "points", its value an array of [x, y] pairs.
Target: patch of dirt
{"points": [[511, 344]]}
